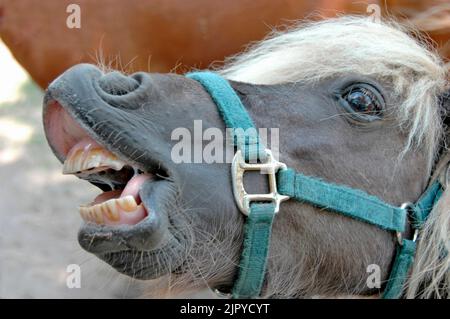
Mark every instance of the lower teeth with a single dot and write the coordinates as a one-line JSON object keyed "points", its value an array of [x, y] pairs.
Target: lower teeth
{"points": [[109, 209]]}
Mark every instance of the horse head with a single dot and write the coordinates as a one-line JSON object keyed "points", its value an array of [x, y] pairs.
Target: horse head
{"points": [[355, 103]]}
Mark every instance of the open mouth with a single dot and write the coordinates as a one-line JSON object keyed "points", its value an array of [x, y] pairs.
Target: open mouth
{"points": [[120, 202]]}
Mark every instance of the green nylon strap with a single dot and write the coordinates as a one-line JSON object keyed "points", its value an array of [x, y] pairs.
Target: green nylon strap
{"points": [[258, 226], [422, 209], [405, 253], [347, 201], [362, 206], [252, 266], [402, 263], [233, 112]]}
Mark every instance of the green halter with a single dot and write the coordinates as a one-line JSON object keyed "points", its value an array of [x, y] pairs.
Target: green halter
{"points": [[286, 183]]}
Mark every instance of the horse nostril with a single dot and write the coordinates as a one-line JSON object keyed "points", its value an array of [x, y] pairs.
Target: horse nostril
{"points": [[115, 83]]}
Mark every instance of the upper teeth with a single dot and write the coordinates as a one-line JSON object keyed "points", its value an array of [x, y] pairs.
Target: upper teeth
{"points": [[89, 157]]}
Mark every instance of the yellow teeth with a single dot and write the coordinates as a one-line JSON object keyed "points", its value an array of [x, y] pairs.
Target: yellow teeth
{"points": [[109, 209], [127, 203], [92, 159]]}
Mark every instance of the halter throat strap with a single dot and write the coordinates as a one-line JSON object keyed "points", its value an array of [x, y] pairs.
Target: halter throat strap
{"points": [[285, 183]]}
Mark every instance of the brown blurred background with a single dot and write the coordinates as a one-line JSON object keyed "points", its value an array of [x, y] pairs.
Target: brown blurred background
{"points": [[38, 205]]}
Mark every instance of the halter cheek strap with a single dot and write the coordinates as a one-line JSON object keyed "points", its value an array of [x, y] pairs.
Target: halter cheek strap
{"points": [[285, 183]]}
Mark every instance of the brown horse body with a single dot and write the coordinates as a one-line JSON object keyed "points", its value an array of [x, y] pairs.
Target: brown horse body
{"points": [[164, 34]]}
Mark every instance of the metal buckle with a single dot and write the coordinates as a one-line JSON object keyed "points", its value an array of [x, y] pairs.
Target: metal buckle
{"points": [[270, 167], [407, 206], [447, 176]]}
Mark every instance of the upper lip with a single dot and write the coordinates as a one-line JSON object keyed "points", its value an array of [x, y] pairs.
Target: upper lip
{"points": [[154, 167], [71, 90]]}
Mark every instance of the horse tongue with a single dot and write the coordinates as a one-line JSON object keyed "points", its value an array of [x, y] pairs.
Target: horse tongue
{"points": [[132, 189], [134, 185]]}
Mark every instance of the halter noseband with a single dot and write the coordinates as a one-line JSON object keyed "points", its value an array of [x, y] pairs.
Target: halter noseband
{"points": [[285, 183]]}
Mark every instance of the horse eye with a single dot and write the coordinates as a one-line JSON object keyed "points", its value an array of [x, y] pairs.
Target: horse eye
{"points": [[363, 101]]}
